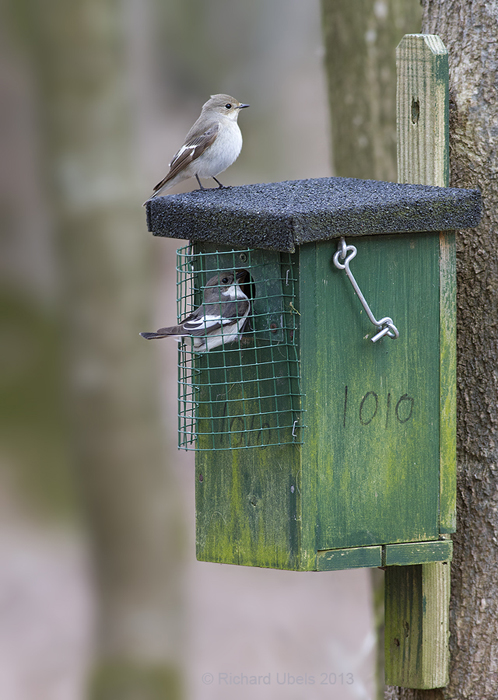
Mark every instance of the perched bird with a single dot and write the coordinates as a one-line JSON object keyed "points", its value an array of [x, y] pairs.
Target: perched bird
{"points": [[219, 320], [211, 145]]}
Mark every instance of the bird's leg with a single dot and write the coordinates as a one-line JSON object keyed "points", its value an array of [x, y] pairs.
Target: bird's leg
{"points": [[219, 183], [201, 186]]}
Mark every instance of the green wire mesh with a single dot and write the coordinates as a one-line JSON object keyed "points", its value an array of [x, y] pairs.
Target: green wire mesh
{"points": [[241, 394]]}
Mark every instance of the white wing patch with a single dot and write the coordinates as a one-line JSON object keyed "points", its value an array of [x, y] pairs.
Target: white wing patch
{"points": [[207, 322], [181, 152]]}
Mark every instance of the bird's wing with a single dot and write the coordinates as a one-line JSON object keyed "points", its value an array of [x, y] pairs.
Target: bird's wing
{"points": [[197, 323], [207, 318], [206, 323], [190, 151]]}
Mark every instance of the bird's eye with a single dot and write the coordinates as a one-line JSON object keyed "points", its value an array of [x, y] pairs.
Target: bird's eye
{"points": [[224, 280], [228, 105]]}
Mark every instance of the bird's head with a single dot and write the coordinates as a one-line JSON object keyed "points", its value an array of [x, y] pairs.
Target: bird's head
{"points": [[224, 105], [226, 284]]}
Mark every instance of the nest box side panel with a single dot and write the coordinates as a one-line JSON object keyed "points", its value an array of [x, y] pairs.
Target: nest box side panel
{"points": [[447, 242]]}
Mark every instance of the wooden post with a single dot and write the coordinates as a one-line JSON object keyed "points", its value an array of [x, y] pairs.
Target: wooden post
{"points": [[417, 597]]}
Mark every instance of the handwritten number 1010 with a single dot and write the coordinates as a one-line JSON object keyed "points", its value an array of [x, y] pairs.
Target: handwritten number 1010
{"points": [[371, 406]]}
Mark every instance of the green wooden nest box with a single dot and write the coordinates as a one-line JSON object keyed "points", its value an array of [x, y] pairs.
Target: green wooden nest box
{"points": [[316, 448]]}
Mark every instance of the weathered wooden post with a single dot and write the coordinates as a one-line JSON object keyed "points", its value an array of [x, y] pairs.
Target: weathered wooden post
{"points": [[324, 437], [417, 597]]}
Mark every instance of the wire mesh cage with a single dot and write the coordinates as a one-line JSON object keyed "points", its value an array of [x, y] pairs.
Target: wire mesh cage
{"points": [[238, 384]]}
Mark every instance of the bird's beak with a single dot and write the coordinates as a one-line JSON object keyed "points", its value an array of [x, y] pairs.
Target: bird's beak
{"points": [[243, 105], [241, 276]]}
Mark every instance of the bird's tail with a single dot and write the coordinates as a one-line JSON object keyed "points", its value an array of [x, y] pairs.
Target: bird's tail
{"points": [[153, 336], [165, 184], [174, 331], [154, 194]]}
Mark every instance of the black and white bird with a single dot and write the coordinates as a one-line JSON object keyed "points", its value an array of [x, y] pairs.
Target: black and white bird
{"points": [[210, 147], [219, 320]]}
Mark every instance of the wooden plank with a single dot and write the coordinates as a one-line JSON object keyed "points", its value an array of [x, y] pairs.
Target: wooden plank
{"points": [[422, 110], [247, 507], [313, 375], [375, 446], [417, 597], [423, 158], [419, 553], [355, 558], [417, 625], [448, 369], [248, 476]]}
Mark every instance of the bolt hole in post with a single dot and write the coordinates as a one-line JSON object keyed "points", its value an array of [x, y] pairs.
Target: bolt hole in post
{"points": [[346, 253], [415, 111]]}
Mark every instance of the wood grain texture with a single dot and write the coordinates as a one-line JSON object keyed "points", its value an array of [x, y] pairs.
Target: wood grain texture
{"points": [[422, 110], [353, 558], [415, 621], [417, 597], [448, 368], [374, 434], [409, 553], [367, 473], [248, 501]]}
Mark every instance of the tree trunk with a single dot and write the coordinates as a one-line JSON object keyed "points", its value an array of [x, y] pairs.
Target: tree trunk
{"points": [[468, 29], [82, 65], [360, 43]]}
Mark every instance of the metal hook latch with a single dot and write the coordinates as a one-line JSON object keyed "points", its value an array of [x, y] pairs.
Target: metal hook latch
{"points": [[385, 325]]}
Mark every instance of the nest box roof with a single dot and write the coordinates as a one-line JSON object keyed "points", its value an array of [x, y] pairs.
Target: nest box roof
{"points": [[283, 215]]}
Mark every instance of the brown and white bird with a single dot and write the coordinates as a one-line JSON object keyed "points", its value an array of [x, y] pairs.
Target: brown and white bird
{"points": [[211, 145], [219, 320]]}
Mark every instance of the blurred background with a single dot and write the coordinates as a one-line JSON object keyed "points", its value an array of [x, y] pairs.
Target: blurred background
{"points": [[100, 593]]}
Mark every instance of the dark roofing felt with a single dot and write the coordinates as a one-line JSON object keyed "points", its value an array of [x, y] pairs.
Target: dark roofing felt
{"points": [[281, 215]]}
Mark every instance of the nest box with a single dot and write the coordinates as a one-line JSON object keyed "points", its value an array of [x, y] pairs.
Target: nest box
{"points": [[325, 435]]}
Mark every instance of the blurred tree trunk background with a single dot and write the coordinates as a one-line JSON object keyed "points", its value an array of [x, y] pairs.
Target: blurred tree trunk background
{"points": [[360, 44], [469, 32], [99, 94], [81, 64]]}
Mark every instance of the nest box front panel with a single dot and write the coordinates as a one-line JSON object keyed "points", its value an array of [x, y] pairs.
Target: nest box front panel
{"points": [[248, 408], [371, 442]]}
